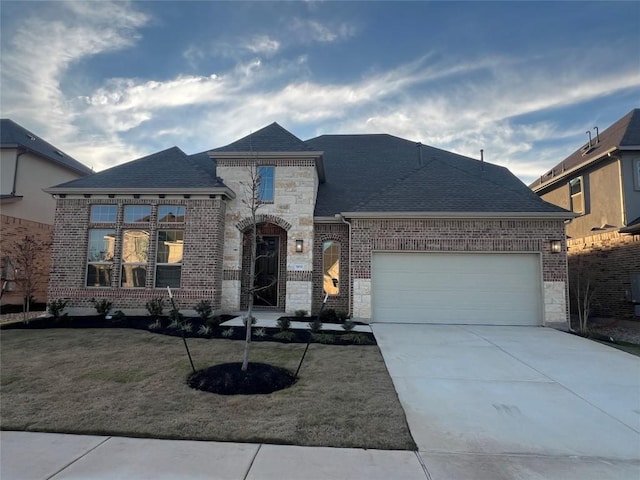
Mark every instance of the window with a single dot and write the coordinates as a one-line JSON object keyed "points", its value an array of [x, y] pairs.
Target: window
{"points": [[100, 257], [266, 189], [137, 213], [169, 258], [331, 266], [135, 249], [577, 195], [103, 213], [171, 213]]}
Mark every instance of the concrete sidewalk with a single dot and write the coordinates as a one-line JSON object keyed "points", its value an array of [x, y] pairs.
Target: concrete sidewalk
{"points": [[54, 456]]}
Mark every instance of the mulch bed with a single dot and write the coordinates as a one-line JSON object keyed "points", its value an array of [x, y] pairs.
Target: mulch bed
{"points": [[195, 327], [229, 379]]}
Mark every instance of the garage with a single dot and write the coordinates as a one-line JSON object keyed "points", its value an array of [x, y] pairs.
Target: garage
{"points": [[457, 288]]}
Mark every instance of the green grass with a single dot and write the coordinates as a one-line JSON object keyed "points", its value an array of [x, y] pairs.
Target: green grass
{"points": [[131, 382]]}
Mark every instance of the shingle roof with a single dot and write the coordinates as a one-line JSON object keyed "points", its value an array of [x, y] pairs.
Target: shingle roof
{"points": [[171, 168], [623, 133], [14, 135], [377, 173], [272, 138]]}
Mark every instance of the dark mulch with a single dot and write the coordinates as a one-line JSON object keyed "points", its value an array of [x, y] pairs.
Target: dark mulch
{"points": [[197, 328], [229, 379]]}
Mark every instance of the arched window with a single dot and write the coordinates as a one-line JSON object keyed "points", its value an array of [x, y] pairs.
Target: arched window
{"points": [[331, 266]]}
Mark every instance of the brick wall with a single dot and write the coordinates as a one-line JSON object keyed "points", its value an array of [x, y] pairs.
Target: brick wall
{"points": [[459, 235], [201, 276], [609, 259], [13, 231]]}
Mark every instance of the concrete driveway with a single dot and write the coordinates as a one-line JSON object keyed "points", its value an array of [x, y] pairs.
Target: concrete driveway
{"points": [[486, 402]]}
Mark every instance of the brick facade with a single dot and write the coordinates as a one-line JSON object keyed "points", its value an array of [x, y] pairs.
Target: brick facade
{"points": [[609, 258], [461, 235], [201, 273], [14, 230]]}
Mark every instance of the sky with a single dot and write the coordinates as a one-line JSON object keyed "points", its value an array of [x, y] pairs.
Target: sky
{"points": [[109, 82]]}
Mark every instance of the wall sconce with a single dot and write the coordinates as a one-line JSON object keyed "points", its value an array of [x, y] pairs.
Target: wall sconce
{"points": [[299, 246], [556, 246]]}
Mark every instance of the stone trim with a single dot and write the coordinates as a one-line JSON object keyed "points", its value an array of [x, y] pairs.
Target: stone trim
{"points": [[275, 162], [231, 274], [457, 244], [261, 218], [297, 276]]}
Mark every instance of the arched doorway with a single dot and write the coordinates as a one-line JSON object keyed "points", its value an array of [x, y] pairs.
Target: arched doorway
{"points": [[271, 267]]}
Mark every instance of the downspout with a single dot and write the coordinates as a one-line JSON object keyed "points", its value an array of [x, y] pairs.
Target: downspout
{"points": [[15, 172], [339, 216]]}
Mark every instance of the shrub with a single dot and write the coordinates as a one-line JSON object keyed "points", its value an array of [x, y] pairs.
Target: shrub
{"points": [[284, 323], [176, 317], [300, 313], [102, 306], [260, 332], [204, 330], [253, 320], [155, 306], [342, 316], [315, 325], [328, 316], [187, 327], [204, 309], [215, 321], [228, 332], [157, 325], [327, 338], [56, 307], [358, 339], [348, 325], [285, 335]]}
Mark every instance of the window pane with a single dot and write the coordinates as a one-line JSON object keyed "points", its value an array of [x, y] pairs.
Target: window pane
{"points": [[101, 245], [103, 213], [265, 192], [168, 276], [171, 213], [331, 267], [134, 275], [137, 213], [575, 186], [98, 275], [170, 245], [135, 246]]}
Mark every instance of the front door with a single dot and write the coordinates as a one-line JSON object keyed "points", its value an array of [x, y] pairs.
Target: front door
{"points": [[267, 269]]}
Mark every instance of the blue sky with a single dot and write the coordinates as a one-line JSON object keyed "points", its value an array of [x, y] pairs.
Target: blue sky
{"points": [[110, 82]]}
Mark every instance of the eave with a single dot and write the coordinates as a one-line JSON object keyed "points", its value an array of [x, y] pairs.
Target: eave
{"points": [[223, 191], [479, 215]]}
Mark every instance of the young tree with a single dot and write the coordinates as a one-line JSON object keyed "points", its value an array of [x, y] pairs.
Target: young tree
{"points": [[253, 201], [27, 252], [582, 287]]}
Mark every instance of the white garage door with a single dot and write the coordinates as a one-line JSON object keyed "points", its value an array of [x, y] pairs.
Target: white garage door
{"points": [[462, 288]]}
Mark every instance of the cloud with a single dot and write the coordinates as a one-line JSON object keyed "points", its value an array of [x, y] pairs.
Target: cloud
{"points": [[313, 30]]}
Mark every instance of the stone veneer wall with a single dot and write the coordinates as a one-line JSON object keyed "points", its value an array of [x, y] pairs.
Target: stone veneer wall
{"points": [[461, 235], [201, 277], [296, 185], [340, 233], [609, 258], [14, 230]]}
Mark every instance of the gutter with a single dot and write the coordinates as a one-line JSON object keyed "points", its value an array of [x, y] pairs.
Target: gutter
{"points": [[142, 191], [15, 171], [479, 215]]}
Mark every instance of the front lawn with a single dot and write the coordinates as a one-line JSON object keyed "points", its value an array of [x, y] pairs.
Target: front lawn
{"points": [[133, 383]]}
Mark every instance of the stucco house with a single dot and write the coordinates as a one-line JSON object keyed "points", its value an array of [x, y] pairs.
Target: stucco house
{"points": [[600, 182], [384, 228], [27, 165]]}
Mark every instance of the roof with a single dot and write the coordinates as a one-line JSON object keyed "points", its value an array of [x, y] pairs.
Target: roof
{"points": [[272, 138], [623, 133], [168, 169], [13, 135], [633, 227], [383, 173]]}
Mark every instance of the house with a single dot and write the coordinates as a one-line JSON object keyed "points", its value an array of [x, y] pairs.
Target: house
{"points": [[600, 182], [28, 164], [377, 226]]}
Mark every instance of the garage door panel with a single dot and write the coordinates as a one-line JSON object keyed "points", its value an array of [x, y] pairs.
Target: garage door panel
{"points": [[501, 289]]}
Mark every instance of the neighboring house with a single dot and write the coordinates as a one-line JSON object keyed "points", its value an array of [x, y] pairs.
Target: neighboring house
{"points": [[601, 183], [384, 228], [28, 164]]}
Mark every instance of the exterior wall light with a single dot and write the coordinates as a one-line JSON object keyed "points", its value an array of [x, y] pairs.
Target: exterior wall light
{"points": [[556, 246], [299, 246]]}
